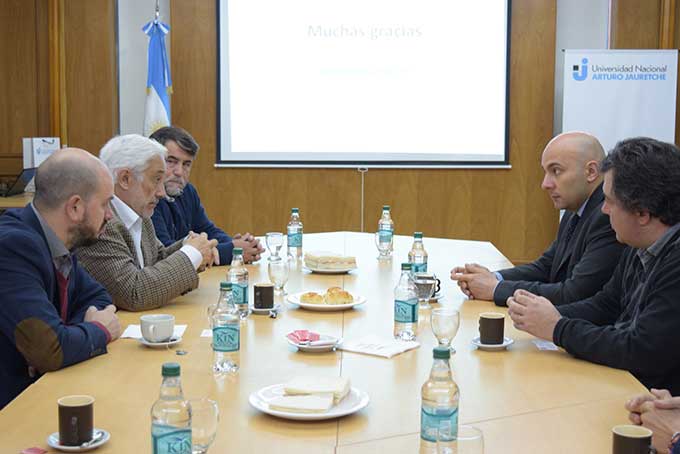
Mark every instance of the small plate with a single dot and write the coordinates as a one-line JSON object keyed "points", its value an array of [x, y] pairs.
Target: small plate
{"points": [[436, 297], [492, 347], [353, 402], [53, 442], [326, 271], [311, 348], [295, 299], [277, 307], [173, 340]]}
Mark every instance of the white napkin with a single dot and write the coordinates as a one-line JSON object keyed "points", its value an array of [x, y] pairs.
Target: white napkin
{"points": [[135, 331], [206, 333], [375, 345], [545, 345]]}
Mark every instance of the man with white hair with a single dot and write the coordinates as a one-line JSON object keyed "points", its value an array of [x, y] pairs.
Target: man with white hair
{"points": [[138, 271]]}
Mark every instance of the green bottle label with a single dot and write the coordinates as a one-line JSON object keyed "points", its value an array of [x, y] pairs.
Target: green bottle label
{"points": [[385, 235], [418, 267], [436, 420], [240, 293], [170, 440], [295, 239], [227, 338], [406, 311]]}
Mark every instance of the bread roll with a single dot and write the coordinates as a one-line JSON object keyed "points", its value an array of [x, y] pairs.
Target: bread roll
{"points": [[338, 297], [311, 298]]}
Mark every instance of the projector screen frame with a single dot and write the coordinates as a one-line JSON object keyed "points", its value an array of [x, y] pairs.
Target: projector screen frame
{"points": [[376, 164]]}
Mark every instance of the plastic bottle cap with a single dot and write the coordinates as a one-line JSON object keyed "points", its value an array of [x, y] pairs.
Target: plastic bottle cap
{"points": [[406, 267], [294, 210], [238, 250], [441, 353], [386, 207], [418, 235], [170, 369], [225, 285]]}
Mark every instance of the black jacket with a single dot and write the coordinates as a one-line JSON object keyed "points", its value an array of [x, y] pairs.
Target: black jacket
{"points": [[633, 323], [569, 272]]}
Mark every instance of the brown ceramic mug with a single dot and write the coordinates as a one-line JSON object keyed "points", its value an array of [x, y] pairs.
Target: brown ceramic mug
{"points": [[491, 325], [264, 296], [76, 419], [629, 439]]}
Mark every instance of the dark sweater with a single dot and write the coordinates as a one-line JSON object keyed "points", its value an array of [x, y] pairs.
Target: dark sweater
{"points": [[634, 322], [174, 220]]}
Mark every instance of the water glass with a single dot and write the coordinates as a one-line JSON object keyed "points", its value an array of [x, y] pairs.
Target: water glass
{"points": [[384, 247], [274, 242], [468, 440], [278, 274], [204, 418], [445, 322]]}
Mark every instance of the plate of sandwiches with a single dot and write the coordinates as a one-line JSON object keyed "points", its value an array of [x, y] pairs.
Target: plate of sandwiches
{"points": [[310, 398], [329, 263], [335, 299]]}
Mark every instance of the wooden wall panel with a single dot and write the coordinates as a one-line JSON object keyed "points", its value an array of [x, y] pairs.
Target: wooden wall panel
{"points": [[91, 74], [635, 24], [22, 84], [504, 206]]}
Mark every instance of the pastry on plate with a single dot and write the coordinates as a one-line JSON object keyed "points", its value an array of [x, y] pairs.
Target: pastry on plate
{"points": [[311, 298]]}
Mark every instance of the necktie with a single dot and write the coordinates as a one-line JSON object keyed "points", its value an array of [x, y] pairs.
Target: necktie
{"points": [[62, 283], [573, 222]]}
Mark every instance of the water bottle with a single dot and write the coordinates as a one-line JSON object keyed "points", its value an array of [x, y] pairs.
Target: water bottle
{"points": [[295, 234], [405, 306], [439, 405], [171, 416], [417, 256], [238, 276], [386, 229], [226, 331]]}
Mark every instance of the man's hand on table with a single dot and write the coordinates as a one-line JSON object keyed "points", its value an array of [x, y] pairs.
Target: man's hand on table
{"points": [[475, 281], [534, 314]]}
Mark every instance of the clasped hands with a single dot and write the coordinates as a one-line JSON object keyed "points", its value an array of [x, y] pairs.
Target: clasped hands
{"points": [[659, 412], [207, 248], [251, 246]]}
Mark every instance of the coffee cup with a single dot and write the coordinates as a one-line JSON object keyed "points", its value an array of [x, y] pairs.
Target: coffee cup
{"points": [[264, 296], [157, 327], [76, 419], [629, 439], [491, 325]]}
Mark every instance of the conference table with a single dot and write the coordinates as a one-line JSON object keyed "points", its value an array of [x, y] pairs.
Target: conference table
{"points": [[15, 201], [523, 399]]}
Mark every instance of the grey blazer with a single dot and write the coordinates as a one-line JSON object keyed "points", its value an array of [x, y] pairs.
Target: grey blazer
{"points": [[112, 260], [572, 271]]}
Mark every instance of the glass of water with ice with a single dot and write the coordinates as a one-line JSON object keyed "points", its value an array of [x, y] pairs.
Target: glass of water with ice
{"points": [[278, 274]]}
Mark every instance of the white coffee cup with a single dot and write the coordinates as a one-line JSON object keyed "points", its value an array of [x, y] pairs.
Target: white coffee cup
{"points": [[157, 327]]}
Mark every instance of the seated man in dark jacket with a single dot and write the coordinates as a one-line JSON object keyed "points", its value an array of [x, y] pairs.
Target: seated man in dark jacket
{"points": [[182, 212], [633, 323], [583, 257], [52, 313]]}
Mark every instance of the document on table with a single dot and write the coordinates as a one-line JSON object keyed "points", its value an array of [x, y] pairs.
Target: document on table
{"points": [[377, 346]]}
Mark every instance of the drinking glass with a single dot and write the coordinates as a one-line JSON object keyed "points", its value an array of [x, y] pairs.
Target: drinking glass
{"points": [[204, 418], [274, 242], [278, 274], [384, 246], [445, 322], [425, 285], [468, 440]]}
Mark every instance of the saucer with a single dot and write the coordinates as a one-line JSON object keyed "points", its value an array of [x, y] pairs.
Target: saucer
{"points": [[258, 311], [324, 344], [436, 297], [53, 442], [492, 347], [173, 340]]}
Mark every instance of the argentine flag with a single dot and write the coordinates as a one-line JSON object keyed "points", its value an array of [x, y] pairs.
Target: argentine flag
{"points": [[158, 82]]}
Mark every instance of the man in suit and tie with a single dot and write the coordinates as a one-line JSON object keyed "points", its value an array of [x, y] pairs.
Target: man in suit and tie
{"points": [[585, 253], [138, 271], [52, 313]]}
